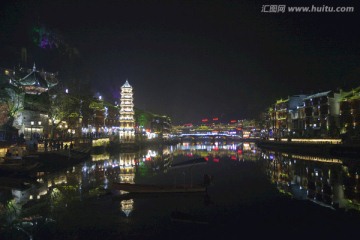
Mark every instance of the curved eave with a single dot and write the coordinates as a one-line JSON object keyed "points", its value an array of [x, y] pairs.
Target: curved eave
{"points": [[52, 84], [14, 83], [34, 79]]}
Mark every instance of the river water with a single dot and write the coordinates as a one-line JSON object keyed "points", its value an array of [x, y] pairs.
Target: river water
{"points": [[253, 193]]}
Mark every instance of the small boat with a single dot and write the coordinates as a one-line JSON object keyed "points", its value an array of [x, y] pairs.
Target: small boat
{"points": [[18, 167], [16, 153], [183, 217], [15, 182], [17, 160], [189, 163], [148, 188]]}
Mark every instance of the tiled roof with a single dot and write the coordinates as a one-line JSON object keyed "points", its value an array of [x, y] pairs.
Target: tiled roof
{"points": [[33, 78], [282, 101], [317, 95]]}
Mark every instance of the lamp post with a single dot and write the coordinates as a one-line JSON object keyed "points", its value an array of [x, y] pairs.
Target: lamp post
{"points": [[32, 124], [39, 122]]}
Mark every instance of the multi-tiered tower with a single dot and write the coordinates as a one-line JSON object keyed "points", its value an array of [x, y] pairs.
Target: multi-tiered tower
{"points": [[127, 122]]}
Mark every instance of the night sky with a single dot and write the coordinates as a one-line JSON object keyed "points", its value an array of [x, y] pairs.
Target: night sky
{"points": [[189, 59]]}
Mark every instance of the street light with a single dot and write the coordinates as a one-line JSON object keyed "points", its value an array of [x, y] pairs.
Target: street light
{"points": [[42, 132], [32, 124], [105, 115]]}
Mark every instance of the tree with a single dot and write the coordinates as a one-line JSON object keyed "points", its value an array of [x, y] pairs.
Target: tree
{"points": [[62, 107], [11, 103]]}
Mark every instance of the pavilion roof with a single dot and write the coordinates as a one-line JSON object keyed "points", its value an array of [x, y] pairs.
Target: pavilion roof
{"points": [[33, 78], [33, 81]]}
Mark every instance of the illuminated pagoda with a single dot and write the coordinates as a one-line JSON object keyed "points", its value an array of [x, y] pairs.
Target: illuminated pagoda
{"points": [[127, 122]]}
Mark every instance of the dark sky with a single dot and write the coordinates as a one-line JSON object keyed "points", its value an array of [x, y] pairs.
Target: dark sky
{"points": [[191, 59]]}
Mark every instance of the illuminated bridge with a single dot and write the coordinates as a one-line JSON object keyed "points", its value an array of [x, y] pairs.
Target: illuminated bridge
{"points": [[213, 137]]}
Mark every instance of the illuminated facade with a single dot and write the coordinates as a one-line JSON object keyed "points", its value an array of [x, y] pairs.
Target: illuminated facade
{"points": [[315, 115], [350, 111], [161, 125], [322, 111], [281, 117], [127, 121]]}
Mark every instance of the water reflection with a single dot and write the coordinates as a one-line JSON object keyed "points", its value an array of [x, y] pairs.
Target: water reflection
{"points": [[74, 196], [330, 182]]}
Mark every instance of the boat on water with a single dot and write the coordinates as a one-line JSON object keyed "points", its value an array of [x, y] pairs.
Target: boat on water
{"points": [[154, 188], [15, 182], [122, 147], [149, 188], [16, 152], [60, 159], [189, 163], [183, 217], [18, 160], [18, 167]]}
